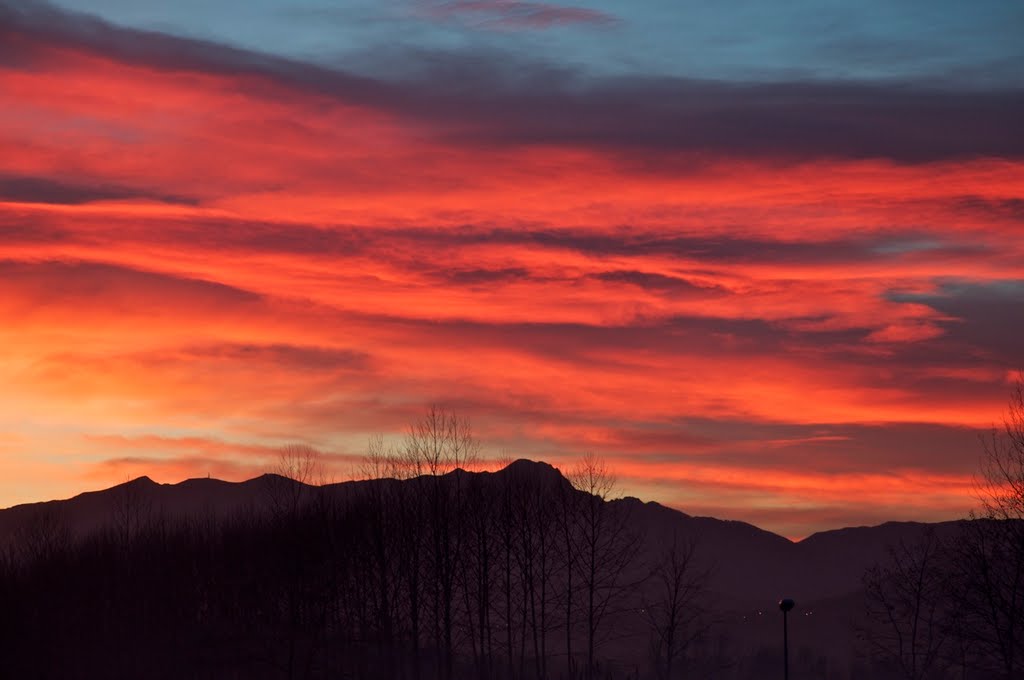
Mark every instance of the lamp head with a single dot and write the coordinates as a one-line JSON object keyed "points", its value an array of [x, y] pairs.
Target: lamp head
{"points": [[786, 604]]}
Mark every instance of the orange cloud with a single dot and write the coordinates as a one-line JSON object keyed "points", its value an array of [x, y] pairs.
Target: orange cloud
{"points": [[190, 257]]}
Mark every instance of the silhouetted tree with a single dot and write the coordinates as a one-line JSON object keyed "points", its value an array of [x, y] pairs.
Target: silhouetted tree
{"points": [[437, 444], [990, 557], [962, 606], [605, 546], [675, 612], [299, 519], [908, 608], [298, 468]]}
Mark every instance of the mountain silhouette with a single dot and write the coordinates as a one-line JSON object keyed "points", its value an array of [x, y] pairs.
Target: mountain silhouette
{"points": [[748, 562], [747, 569]]}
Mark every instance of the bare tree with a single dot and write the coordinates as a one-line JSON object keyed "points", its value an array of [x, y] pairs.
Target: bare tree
{"points": [[990, 557], [397, 541], [380, 462], [605, 548], [907, 608], [437, 444], [676, 613], [440, 442], [301, 463], [295, 484], [1002, 483], [933, 606], [298, 468]]}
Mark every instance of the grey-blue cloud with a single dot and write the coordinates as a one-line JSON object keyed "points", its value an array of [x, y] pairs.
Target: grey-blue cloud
{"points": [[495, 98]]}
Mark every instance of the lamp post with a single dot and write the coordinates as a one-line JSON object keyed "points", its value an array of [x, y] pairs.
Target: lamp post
{"points": [[785, 605]]}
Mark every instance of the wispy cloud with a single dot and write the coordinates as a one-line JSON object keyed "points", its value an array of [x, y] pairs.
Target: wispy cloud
{"points": [[514, 14]]}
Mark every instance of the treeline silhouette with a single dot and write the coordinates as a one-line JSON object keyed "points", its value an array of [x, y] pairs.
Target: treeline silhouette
{"points": [[423, 572]]}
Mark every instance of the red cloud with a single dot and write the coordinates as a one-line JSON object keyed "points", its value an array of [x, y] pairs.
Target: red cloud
{"points": [[200, 244]]}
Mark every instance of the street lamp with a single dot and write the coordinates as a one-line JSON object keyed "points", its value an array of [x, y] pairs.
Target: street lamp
{"points": [[785, 605]]}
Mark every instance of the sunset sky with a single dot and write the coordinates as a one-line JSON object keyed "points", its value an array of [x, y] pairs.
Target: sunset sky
{"points": [[766, 258]]}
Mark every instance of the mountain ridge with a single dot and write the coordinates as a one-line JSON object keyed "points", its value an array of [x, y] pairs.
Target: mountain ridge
{"points": [[743, 570], [517, 465], [747, 561]]}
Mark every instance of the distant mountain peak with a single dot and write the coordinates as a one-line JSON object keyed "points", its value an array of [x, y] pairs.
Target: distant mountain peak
{"points": [[276, 478], [527, 464], [532, 469], [658, 507], [144, 480]]}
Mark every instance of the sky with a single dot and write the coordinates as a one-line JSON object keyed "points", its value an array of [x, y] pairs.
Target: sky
{"points": [[767, 259]]}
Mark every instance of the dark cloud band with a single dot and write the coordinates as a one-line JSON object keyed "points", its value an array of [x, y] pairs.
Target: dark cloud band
{"points": [[501, 99]]}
